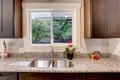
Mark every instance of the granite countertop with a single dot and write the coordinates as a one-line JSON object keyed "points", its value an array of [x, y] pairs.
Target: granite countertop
{"points": [[80, 65]]}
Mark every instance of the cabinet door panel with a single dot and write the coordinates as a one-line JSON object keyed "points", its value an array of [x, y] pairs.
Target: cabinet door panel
{"points": [[98, 18], [34, 77], [7, 18], [40, 78], [49, 77], [10, 19], [113, 17], [102, 76], [79, 76]]}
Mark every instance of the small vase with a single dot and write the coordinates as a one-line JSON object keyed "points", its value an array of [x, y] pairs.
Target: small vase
{"points": [[70, 56]]}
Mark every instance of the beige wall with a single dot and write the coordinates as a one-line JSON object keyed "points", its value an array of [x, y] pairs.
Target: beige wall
{"points": [[13, 45], [114, 46], [92, 45]]}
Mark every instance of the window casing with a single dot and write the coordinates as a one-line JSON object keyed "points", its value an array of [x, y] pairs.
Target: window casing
{"points": [[77, 30]]}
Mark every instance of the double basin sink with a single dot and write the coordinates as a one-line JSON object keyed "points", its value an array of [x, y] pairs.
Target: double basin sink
{"points": [[45, 63], [56, 63]]}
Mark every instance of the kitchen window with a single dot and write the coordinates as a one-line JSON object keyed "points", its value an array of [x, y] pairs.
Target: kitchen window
{"points": [[51, 27], [61, 23]]}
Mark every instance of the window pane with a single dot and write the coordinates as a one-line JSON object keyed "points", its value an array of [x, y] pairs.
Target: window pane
{"points": [[41, 22], [62, 27]]}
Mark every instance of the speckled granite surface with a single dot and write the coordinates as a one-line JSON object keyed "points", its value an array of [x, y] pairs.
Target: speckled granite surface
{"points": [[56, 55], [80, 65]]}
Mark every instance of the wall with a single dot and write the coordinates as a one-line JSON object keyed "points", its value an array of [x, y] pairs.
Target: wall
{"points": [[92, 45], [13, 45], [114, 46], [111, 46], [103, 45]]}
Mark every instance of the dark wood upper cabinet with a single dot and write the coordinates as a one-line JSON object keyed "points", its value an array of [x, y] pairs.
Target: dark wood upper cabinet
{"points": [[102, 18], [10, 19]]}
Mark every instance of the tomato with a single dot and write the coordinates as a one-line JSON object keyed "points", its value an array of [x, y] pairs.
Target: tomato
{"points": [[96, 57]]}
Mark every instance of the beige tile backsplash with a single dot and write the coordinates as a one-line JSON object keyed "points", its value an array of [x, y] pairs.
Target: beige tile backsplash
{"points": [[13, 45], [103, 45], [114, 46], [96, 45], [91, 45]]}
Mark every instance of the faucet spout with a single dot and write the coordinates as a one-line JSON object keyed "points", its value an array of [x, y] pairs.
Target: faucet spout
{"points": [[52, 56], [52, 52]]}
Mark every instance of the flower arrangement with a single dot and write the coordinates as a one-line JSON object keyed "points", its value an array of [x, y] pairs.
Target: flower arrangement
{"points": [[69, 50]]}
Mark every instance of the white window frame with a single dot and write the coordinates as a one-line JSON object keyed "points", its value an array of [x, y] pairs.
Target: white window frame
{"points": [[51, 27], [78, 21]]}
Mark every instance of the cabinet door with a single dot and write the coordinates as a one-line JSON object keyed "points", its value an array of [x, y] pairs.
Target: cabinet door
{"points": [[102, 76], [79, 76], [35, 77], [48, 77], [6, 28], [104, 18], [10, 19], [98, 17], [113, 19]]}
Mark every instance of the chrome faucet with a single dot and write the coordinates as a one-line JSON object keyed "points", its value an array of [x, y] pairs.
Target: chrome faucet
{"points": [[52, 53], [51, 57]]}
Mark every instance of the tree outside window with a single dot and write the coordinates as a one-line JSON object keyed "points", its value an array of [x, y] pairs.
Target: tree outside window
{"points": [[43, 23]]}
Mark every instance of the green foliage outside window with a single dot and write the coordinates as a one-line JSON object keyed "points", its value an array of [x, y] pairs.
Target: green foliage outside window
{"points": [[40, 29], [62, 30]]}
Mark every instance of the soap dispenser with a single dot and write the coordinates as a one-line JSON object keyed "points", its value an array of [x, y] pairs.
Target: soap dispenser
{"points": [[4, 53]]}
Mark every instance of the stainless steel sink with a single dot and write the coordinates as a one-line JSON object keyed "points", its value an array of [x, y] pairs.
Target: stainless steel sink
{"points": [[56, 63], [40, 63]]}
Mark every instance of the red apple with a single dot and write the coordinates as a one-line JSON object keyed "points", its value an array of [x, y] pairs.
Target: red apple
{"points": [[96, 57]]}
